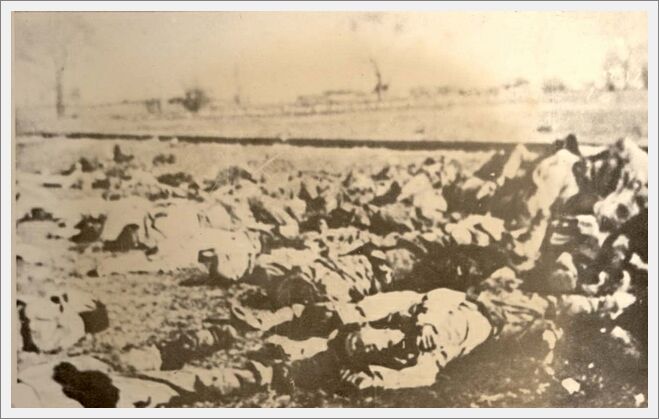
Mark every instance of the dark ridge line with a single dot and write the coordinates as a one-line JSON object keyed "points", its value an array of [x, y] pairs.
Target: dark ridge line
{"points": [[409, 145]]}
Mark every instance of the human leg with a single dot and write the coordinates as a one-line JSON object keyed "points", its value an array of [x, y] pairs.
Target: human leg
{"points": [[172, 355]]}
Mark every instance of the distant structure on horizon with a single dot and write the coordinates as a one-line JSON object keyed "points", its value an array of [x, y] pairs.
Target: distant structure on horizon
{"points": [[333, 97]]}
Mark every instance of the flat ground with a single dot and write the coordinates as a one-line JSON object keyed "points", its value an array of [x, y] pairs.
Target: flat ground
{"points": [[144, 308], [595, 117]]}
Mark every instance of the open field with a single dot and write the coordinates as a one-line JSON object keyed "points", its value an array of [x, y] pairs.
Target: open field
{"points": [[597, 118]]}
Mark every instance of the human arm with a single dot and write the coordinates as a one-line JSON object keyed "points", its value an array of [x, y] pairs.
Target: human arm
{"points": [[422, 374], [379, 306], [611, 305]]}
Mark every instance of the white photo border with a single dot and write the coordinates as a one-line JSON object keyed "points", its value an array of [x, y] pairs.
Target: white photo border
{"points": [[7, 227]]}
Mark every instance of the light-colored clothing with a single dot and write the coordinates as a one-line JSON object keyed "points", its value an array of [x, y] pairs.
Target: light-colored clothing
{"points": [[284, 272]]}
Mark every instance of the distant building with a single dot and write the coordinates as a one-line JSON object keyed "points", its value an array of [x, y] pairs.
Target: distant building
{"points": [[430, 91], [330, 97]]}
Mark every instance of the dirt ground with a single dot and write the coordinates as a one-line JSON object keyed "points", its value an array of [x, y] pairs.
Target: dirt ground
{"points": [[147, 308], [595, 117]]}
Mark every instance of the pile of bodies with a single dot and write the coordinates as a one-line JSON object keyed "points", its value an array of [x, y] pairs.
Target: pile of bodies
{"points": [[370, 280]]}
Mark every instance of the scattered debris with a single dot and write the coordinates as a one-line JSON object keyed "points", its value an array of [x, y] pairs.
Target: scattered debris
{"points": [[639, 399], [119, 156], [542, 388], [571, 385], [101, 184], [175, 179], [229, 176], [36, 214], [162, 159]]}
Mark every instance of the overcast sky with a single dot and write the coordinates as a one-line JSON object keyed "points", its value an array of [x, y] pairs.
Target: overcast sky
{"points": [[278, 56]]}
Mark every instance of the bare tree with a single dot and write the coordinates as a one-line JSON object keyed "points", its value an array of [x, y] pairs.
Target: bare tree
{"points": [[616, 69], [47, 41], [625, 67], [371, 26], [193, 99], [380, 86], [237, 97], [644, 74]]}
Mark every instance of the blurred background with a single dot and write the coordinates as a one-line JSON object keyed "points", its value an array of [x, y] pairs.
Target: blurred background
{"points": [[458, 76]]}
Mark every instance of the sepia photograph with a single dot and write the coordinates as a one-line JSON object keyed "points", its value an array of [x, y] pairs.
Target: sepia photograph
{"points": [[330, 209]]}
